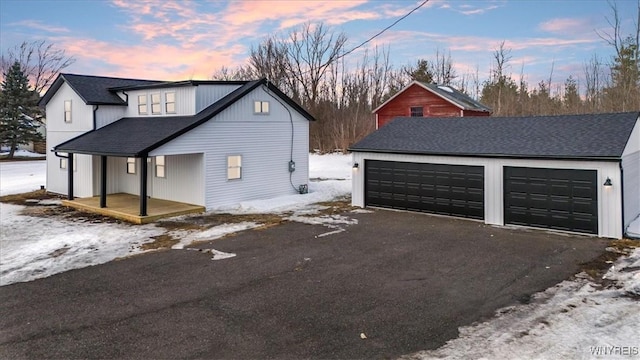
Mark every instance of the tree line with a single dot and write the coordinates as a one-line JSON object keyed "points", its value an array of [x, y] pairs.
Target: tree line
{"points": [[309, 65], [312, 65]]}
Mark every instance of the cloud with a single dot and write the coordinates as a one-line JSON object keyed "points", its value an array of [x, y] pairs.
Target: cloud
{"points": [[156, 61], [475, 8], [38, 25], [566, 25]]}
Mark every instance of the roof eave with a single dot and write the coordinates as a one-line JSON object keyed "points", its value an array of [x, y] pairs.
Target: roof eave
{"points": [[501, 156]]}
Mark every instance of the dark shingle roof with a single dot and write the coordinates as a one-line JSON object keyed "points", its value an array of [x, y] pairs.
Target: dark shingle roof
{"points": [[590, 136], [137, 136], [462, 100], [94, 90]]}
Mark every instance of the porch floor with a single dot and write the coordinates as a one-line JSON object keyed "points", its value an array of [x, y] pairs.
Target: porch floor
{"points": [[127, 207]]}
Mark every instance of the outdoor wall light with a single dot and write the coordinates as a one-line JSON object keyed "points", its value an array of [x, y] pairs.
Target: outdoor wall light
{"points": [[356, 166], [608, 182]]}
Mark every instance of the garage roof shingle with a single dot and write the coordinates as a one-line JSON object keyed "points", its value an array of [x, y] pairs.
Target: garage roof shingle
{"points": [[588, 136]]}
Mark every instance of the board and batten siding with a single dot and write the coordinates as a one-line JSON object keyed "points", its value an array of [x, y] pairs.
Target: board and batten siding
{"points": [[209, 94], [263, 141], [631, 176], [609, 198], [183, 181], [185, 101], [59, 131], [106, 114]]}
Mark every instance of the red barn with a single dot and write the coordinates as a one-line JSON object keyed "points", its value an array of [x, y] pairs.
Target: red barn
{"points": [[420, 99]]}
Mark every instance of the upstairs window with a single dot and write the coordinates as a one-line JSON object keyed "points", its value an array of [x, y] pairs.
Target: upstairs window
{"points": [[67, 111], [416, 111], [160, 167], [234, 167], [260, 107], [131, 165], [142, 104], [156, 108], [170, 103]]}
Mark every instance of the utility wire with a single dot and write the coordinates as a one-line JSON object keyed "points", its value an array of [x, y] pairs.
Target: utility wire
{"points": [[383, 30]]}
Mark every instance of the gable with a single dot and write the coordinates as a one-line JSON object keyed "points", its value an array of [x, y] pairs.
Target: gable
{"points": [[439, 95], [417, 96], [137, 136]]}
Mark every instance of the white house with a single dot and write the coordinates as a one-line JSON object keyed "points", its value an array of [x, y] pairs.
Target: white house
{"points": [[208, 143], [576, 173]]}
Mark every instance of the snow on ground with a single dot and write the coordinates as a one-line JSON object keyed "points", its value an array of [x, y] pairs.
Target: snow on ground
{"points": [[22, 153], [22, 176], [35, 247], [330, 166], [575, 319]]}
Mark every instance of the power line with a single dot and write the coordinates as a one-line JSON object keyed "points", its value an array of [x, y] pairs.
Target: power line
{"points": [[383, 30]]}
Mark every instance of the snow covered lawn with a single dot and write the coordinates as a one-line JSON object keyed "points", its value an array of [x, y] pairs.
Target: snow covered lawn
{"points": [[574, 319]]}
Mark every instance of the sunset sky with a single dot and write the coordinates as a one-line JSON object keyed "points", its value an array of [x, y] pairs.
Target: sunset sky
{"points": [[174, 40]]}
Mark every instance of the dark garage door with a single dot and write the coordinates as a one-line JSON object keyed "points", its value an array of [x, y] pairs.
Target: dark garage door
{"points": [[561, 199], [434, 188]]}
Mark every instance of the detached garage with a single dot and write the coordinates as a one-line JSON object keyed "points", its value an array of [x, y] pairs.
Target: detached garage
{"points": [[576, 173]]}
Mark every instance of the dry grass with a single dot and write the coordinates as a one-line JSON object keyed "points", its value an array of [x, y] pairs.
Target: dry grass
{"points": [[201, 222], [335, 207], [21, 199], [597, 267], [163, 241]]}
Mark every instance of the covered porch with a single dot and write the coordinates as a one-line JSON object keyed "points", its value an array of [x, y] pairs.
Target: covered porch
{"points": [[127, 207]]}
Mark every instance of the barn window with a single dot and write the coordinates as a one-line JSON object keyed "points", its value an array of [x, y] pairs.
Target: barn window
{"points": [[160, 167], [156, 108], [234, 167], [416, 111], [67, 111], [260, 107], [170, 102], [131, 165], [142, 104]]}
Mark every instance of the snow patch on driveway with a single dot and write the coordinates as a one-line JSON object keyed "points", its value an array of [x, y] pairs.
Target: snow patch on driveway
{"points": [[573, 320]]}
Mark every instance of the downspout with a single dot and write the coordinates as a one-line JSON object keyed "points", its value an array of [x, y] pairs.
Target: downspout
{"points": [[95, 109], [622, 195]]}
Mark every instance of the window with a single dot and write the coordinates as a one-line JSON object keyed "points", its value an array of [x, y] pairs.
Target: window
{"points": [[142, 104], [155, 104], [131, 165], [234, 167], [416, 111], [261, 107], [67, 111], [160, 167], [170, 103], [63, 163]]}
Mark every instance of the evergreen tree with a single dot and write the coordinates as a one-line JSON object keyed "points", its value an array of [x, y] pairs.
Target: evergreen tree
{"points": [[571, 98], [18, 107]]}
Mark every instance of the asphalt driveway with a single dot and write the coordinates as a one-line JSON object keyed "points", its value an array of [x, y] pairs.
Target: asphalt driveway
{"points": [[407, 281]]}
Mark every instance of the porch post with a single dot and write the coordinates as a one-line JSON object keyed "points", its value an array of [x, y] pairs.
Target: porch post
{"points": [[143, 185], [70, 176], [103, 181]]}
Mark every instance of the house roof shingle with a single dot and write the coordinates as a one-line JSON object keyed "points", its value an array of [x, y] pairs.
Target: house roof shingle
{"points": [[94, 90], [590, 136], [137, 136]]}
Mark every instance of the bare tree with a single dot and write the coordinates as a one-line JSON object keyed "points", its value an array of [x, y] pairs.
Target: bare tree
{"points": [[40, 60]]}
